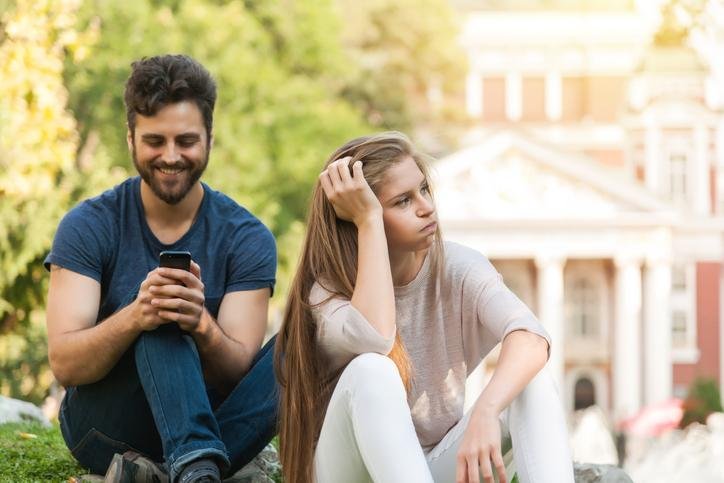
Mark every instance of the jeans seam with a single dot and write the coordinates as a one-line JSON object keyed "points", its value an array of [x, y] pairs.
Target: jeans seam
{"points": [[154, 393]]}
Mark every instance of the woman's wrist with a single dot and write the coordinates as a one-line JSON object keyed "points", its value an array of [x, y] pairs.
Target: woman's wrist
{"points": [[486, 408], [372, 218]]}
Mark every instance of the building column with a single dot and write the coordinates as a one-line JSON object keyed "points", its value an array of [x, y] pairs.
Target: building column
{"points": [[652, 174], [513, 96], [657, 331], [554, 96], [627, 338], [550, 310], [474, 95]]}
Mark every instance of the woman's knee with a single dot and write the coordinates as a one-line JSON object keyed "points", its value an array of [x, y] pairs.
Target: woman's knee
{"points": [[372, 371], [372, 365]]}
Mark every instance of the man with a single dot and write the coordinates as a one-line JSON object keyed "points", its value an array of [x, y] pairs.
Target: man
{"points": [[158, 361]]}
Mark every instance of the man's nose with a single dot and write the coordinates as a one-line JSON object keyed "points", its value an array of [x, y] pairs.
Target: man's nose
{"points": [[170, 153]]}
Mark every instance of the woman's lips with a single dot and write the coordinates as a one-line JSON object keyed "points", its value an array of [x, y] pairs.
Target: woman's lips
{"points": [[430, 227]]}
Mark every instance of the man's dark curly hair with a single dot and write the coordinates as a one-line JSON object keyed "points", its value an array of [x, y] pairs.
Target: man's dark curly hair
{"points": [[158, 81]]}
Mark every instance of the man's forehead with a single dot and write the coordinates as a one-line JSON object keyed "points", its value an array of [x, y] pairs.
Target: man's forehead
{"points": [[184, 116]]}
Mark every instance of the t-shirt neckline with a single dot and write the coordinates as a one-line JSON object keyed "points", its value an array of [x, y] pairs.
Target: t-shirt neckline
{"points": [[422, 275], [147, 229]]}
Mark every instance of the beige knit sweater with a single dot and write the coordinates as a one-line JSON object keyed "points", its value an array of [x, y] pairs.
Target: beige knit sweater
{"points": [[446, 336]]}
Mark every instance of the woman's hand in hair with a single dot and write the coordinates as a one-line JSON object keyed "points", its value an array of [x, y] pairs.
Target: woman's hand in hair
{"points": [[349, 193], [479, 453]]}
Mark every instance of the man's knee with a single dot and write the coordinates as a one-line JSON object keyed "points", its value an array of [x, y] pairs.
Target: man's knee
{"points": [[165, 336]]}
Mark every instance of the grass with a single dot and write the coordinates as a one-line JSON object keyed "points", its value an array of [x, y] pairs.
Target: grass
{"points": [[31, 452]]}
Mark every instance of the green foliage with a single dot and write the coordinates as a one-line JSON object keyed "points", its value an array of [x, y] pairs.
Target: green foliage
{"points": [[41, 458], [295, 80], [41, 176], [702, 400], [678, 19], [278, 114], [24, 361], [403, 51]]}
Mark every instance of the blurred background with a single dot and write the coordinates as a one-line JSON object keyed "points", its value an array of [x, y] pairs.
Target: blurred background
{"points": [[580, 146]]}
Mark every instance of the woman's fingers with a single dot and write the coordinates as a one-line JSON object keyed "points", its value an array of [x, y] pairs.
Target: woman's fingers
{"points": [[326, 183], [486, 469], [333, 170], [461, 470], [357, 174], [499, 466], [473, 472], [343, 169]]}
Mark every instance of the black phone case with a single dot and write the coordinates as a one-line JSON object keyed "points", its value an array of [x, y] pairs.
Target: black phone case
{"points": [[174, 259]]}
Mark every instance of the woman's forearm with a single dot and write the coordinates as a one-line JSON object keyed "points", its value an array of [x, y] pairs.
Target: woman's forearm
{"points": [[374, 294], [523, 354]]}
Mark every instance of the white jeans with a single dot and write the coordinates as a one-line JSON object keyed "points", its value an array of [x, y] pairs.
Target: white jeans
{"points": [[368, 433]]}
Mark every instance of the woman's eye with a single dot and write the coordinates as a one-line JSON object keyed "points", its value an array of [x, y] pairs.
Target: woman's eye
{"points": [[402, 201], [425, 189]]}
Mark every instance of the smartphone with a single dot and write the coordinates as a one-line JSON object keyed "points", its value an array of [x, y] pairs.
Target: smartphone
{"points": [[175, 259]]}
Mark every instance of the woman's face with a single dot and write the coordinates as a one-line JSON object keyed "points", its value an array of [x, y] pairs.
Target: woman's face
{"points": [[407, 208]]}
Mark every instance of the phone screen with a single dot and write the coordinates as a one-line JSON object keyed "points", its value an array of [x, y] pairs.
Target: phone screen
{"points": [[175, 259]]}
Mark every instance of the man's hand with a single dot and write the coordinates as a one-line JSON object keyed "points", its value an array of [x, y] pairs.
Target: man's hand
{"points": [[480, 446], [173, 295]]}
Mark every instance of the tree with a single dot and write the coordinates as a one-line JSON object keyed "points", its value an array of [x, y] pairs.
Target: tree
{"points": [[405, 54], [38, 174], [278, 66]]}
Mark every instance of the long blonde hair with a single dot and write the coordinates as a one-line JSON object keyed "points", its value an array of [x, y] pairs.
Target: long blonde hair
{"points": [[329, 254]]}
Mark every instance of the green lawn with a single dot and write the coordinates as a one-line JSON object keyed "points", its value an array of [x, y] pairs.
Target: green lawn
{"points": [[29, 452]]}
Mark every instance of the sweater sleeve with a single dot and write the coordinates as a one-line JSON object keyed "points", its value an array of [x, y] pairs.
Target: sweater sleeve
{"points": [[493, 311], [342, 331]]}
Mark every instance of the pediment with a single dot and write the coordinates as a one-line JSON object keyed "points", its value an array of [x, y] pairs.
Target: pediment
{"points": [[511, 177]]}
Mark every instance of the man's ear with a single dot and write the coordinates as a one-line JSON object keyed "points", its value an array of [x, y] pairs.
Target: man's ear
{"points": [[129, 140], [211, 141]]}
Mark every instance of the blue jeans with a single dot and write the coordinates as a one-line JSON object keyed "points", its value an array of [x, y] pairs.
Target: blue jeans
{"points": [[155, 402]]}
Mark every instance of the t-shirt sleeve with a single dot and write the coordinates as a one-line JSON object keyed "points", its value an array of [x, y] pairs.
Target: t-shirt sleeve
{"points": [[253, 260], [342, 331], [81, 242], [496, 312]]}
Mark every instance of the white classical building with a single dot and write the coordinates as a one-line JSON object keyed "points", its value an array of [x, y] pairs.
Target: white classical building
{"points": [[593, 178]]}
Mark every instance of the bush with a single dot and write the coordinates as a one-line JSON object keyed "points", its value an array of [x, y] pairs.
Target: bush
{"points": [[702, 400]]}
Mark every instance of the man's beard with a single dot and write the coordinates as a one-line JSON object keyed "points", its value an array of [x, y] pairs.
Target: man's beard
{"points": [[188, 181]]}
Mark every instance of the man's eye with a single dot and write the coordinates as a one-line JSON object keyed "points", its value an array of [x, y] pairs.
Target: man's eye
{"points": [[154, 144], [187, 143]]}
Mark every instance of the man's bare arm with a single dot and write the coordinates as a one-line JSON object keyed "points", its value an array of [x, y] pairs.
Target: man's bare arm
{"points": [[228, 345], [81, 352]]}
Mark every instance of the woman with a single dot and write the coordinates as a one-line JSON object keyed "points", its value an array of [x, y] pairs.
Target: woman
{"points": [[384, 322]]}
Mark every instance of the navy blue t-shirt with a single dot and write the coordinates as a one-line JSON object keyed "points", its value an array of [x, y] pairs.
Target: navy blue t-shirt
{"points": [[108, 239]]}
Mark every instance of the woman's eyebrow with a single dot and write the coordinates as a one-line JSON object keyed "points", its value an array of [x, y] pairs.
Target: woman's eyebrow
{"points": [[403, 193]]}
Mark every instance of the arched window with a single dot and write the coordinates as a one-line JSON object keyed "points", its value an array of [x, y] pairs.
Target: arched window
{"points": [[584, 309], [584, 394]]}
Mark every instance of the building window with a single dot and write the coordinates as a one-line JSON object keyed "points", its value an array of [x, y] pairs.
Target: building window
{"points": [[678, 278], [584, 309], [677, 177], [679, 330], [683, 317]]}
